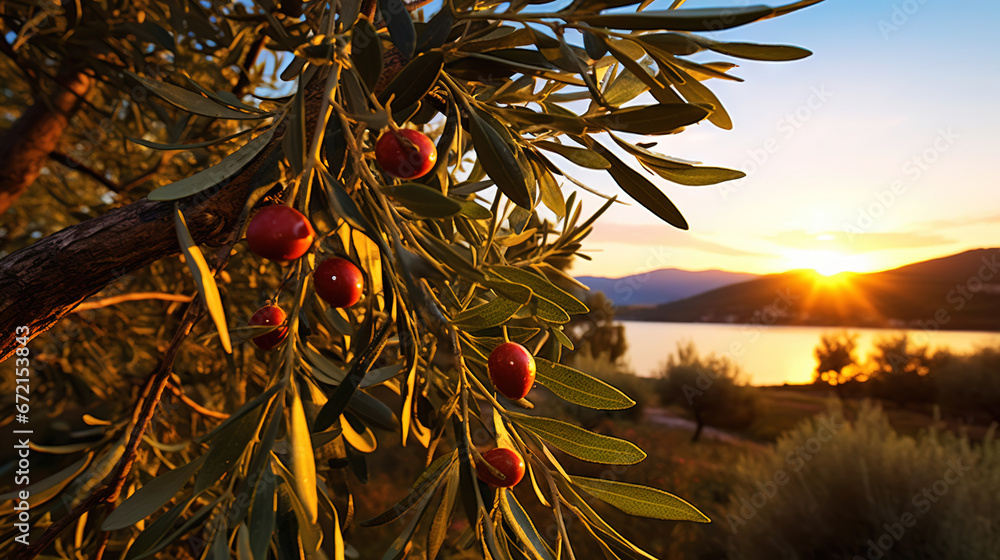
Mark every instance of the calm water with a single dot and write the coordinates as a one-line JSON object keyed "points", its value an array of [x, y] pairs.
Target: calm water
{"points": [[768, 355]]}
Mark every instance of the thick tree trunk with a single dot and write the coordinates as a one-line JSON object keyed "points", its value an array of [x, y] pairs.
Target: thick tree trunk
{"points": [[25, 146], [44, 281]]}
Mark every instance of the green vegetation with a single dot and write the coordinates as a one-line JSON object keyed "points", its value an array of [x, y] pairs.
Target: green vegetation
{"points": [[711, 388]]}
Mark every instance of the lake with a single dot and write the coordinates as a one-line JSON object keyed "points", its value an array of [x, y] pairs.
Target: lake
{"points": [[769, 355]]}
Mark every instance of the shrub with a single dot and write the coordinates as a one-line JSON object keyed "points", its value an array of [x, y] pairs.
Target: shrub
{"points": [[710, 387], [970, 383], [860, 490]]}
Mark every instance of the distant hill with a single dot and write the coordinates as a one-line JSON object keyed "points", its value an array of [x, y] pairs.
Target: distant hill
{"points": [[661, 286], [957, 292]]}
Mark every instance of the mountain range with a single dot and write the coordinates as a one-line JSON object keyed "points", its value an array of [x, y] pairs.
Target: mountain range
{"points": [[960, 291], [661, 286]]}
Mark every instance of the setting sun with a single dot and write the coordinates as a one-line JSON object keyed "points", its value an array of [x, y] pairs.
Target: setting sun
{"points": [[828, 263]]}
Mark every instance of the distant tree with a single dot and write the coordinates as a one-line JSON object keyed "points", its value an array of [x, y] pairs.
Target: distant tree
{"points": [[837, 360], [898, 369], [596, 331], [710, 387]]}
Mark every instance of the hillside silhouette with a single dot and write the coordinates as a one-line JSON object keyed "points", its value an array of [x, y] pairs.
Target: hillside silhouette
{"points": [[960, 292]]}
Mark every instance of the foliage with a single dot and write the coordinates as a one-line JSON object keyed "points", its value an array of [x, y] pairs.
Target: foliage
{"points": [[837, 358], [928, 497], [596, 332], [711, 387], [899, 370], [453, 265], [970, 383]]}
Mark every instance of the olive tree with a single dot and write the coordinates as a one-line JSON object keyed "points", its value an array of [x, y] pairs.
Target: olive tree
{"points": [[205, 111]]}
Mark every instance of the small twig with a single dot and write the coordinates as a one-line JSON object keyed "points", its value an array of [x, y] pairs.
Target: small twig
{"points": [[86, 170], [179, 393], [137, 296]]}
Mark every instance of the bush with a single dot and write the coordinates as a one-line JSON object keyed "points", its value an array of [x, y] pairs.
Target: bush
{"points": [[712, 388], [846, 491], [970, 383]]}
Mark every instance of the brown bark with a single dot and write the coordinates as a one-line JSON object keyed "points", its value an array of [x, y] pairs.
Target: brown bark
{"points": [[43, 282], [25, 146]]}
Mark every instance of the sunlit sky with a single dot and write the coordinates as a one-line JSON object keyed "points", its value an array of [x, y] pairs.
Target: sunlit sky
{"points": [[873, 153]]}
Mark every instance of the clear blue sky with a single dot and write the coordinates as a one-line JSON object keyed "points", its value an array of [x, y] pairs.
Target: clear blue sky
{"points": [[874, 152]]}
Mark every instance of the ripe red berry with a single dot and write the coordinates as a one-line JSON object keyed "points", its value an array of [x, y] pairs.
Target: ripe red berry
{"points": [[269, 315], [512, 370], [504, 460], [339, 282], [279, 233], [405, 153]]}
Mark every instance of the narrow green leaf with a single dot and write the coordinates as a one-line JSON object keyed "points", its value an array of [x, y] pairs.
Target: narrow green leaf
{"points": [[580, 443], [651, 119], [423, 200], [401, 28], [547, 311], [594, 46], [437, 30], [148, 499], [641, 189], [696, 92], [474, 211], [701, 19], [227, 448], [203, 277], [414, 81], [579, 388], [541, 286], [156, 531], [579, 156], [243, 551], [491, 314], [428, 483], [641, 501], [695, 176], [366, 53], [208, 178], [442, 517], [303, 458], [523, 528], [373, 411], [193, 102], [158, 146], [45, 489], [753, 51], [342, 395], [294, 141], [500, 160], [510, 290]]}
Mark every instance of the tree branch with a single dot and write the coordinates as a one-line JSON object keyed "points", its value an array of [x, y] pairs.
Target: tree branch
{"points": [[43, 282], [25, 146]]}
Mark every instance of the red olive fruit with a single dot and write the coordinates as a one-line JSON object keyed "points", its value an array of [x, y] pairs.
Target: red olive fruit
{"points": [[269, 315], [512, 370], [279, 233], [405, 153], [338, 282], [504, 460]]}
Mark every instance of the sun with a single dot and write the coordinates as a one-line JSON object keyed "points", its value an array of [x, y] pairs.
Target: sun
{"points": [[827, 263]]}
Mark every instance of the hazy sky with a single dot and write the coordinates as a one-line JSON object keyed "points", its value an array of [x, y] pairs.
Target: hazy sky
{"points": [[872, 153]]}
